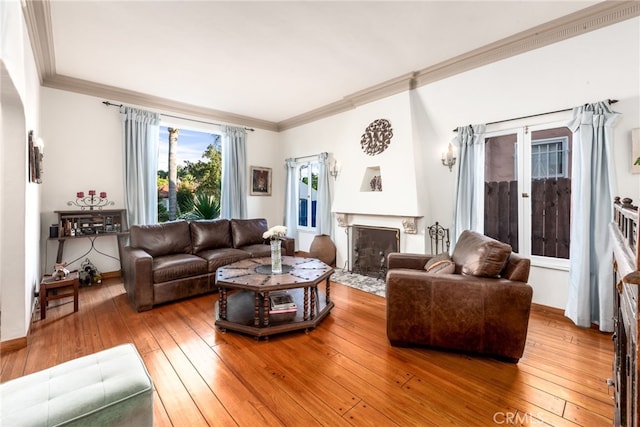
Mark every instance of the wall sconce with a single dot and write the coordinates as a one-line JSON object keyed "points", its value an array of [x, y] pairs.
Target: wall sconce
{"points": [[448, 158], [334, 170]]}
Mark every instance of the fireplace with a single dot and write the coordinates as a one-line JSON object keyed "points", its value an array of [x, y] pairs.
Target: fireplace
{"points": [[370, 247]]}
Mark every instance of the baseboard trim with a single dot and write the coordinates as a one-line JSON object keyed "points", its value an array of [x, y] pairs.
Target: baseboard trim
{"points": [[14, 344], [540, 308], [111, 275]]}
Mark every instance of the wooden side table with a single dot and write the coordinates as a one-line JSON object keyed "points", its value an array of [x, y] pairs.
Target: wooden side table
{"points": [[48, 283]]}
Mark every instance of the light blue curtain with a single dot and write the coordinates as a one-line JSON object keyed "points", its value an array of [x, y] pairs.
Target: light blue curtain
{"points": [[590, 298], [140, 136], [323, 214], [469, 195], [233, 198], [291, 200]]}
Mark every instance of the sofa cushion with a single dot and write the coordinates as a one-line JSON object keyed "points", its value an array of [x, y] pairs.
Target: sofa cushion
{"points": [[222, 256], [440, 264], [478, 255], [210, 234], [248, 231], [162, 239], [177, 266], [258, 250]]}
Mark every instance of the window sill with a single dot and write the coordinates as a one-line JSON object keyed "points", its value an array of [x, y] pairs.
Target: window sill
{"points": [[550, 263]]}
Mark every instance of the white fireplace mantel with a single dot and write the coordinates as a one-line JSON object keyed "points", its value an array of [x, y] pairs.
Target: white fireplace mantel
{"points": [[409, 222]]}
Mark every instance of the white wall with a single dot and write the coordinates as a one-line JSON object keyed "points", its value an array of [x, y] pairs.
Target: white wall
{"points": [[84, 151], [79, 130], [19, 204], [596, 66]]}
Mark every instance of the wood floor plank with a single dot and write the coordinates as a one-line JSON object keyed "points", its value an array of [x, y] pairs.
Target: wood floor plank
{"points": [[584, 417], [212, 410], [278, 387], [176, 400], [246, 407], [318, 387], [344, 372], [366, 415]]}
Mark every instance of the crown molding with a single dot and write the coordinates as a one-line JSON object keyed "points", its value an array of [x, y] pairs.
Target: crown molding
{"points": [[113, 93], [37, 15], [580, 22], [575, 24], [349, 102]]}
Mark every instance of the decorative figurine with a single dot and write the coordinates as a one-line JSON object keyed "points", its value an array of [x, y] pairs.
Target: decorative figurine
{"points": [[60, 271]]}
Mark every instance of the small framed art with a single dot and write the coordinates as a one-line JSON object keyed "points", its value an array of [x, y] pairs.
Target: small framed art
{"points": [[260, 181]]}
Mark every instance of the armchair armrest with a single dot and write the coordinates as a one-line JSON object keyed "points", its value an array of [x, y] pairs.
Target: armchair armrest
{"points": [[405, 260], [289, 245], [138, 278]]}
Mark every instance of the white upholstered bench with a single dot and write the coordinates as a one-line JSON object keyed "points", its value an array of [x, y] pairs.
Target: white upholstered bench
{"points": [[108, 388]]}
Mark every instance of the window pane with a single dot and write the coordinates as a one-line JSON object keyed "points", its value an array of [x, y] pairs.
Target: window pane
{"points": [[196, 169], [501, 189], [315, 170], [550, 193], [303, 191]]}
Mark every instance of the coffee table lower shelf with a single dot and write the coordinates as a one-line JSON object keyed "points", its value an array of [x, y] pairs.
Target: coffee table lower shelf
{"points": [[241, 314]]}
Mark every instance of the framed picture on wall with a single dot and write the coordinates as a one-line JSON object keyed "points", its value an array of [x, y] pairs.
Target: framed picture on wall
{"points": [[260, 181]]}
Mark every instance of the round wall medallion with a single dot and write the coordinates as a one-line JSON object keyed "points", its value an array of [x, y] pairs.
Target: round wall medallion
{"points": [[376, 137]]}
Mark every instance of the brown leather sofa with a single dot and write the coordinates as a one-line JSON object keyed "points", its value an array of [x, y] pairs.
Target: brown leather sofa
{"points": [[174, 260], [481, 307]]}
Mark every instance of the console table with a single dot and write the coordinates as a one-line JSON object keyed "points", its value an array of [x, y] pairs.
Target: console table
{"points": [[626, 265], [89, 224]]}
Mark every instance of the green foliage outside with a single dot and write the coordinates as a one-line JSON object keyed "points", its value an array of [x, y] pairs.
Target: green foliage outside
{"points": [[204, 207], [198, 192], [314, 181]]}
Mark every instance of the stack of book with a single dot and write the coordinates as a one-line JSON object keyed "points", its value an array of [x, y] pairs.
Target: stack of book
{"points": [[281, 302]]}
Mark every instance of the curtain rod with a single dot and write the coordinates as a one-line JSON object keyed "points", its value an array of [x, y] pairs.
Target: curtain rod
{"points": [[110, 104], [295, 159], [611, 101]]}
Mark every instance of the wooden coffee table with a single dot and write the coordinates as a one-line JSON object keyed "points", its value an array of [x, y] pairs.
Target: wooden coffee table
{"points": [[244, 295]]}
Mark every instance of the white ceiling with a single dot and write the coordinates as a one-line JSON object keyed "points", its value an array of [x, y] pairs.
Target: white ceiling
{"points": [[274, 60]]}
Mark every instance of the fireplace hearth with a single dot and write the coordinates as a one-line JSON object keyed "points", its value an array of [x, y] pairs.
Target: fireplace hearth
{"points": [[370, 247]]}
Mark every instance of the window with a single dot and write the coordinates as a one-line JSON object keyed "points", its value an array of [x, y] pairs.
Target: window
{"points": [[549, 158], [198, 164], [308, 194], [527, 200]]}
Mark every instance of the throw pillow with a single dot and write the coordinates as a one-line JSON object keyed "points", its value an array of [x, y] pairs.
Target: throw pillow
{"points": [[479, 255], [440, 264]]}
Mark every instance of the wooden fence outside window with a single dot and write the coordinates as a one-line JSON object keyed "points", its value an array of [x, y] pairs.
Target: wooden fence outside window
{"points": [[550, 215]]}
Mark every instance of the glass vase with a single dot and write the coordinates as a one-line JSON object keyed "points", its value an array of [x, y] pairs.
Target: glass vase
{"points": [[276, 257]]}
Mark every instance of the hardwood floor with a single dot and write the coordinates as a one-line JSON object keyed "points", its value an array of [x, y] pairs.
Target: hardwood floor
{"points": [[342, 373]]}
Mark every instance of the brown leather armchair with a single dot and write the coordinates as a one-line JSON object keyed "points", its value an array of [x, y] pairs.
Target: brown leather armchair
{"points": [[481, 307]]}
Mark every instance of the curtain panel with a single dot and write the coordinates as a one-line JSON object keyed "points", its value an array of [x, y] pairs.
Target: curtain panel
{"points": [[291, 200], [323, 214], [140, 136], [233, 195], [469, 197], [590, 299]]}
